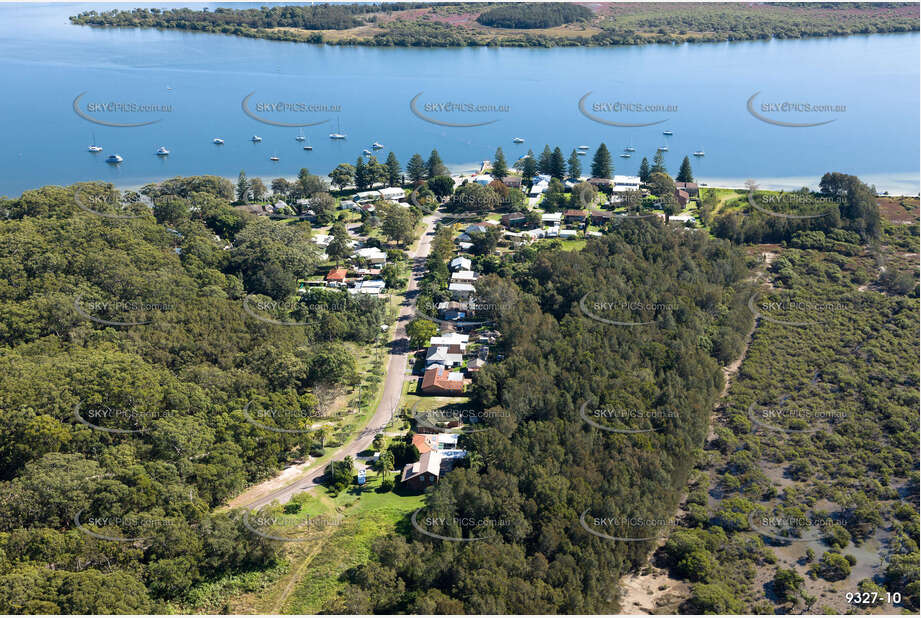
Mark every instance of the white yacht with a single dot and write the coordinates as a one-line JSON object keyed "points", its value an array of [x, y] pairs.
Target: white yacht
{"points": [[377, 145], [518, 140], [256, 138], [114, 158], [668, 132], [162, 151], [625, 155], [366, 152], [93, 147], [274, 157], [218, 141], [583, 147], [662, 149], [338, 134], [699, 153]]}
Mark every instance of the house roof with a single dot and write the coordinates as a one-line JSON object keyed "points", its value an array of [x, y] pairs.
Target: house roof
{"points": [[450, 339], [602, 213], [421, 443], [439, 377], [461, 287], [336, 274], [429, 462], [463, 274], [574, 213], [461, 263]]}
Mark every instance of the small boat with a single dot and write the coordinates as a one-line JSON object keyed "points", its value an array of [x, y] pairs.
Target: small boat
{"points": [[662, 149], [377, 145], [699, 153], [114, 158], [218, 141], [93, 147], [629, 149], [626, 155], [273, 158], [668, 132], [300, 135], [583, 147], [338, 134], [366, 152], [518, 140], [308, 147], [162, 151], [581, 153], [256, 138]]}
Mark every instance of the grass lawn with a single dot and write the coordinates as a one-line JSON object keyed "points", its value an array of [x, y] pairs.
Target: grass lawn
{"points": [[723, 195]]}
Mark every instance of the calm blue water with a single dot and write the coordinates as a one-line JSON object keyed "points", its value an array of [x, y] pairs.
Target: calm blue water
{"points": [[45, 63]]}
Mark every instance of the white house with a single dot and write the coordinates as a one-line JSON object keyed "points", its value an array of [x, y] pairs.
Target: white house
{"points": [[450, 339], [626, 183], [461, 263], [483, 179], [348, 205], [461, 291], [444, 355], [463, 276], [323, 240], [465, 246], [375, 287], [568, 233], [372, 254], [393, 193], [552, 219], [474, 228], [367, 196], [539, 188]]}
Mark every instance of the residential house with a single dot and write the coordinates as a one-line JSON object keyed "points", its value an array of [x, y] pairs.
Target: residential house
{"points": [[348, 205], [463, 276], [375, 287], [423, 473], [422, 443], [483, 179], [600, 217], [461, 291], [367, 196], [475, 228], [626, 183], [553, 219], [514, 219], [574, 216], [682, 197], [449, 339], [372, 254], [440, 381], [568, 233], [393, 193], [691, 187], [600, 183], [512, 182], [444, 356], [539, 188], [336, 275], [461, 263]]}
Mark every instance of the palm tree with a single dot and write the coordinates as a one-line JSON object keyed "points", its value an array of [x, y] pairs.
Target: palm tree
{"points": [[474, 461]]}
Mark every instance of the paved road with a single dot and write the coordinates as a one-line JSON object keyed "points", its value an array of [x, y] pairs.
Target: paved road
{"points": [[297, 479]]}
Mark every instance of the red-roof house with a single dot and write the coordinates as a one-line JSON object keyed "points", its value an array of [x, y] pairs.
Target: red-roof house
{"points": [[439, 381], [337, 274]]}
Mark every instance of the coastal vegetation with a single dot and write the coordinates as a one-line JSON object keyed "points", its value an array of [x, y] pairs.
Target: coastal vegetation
{"points": [[525, 24], [146, 379]]}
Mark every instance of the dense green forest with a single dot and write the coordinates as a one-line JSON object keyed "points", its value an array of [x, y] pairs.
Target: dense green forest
{"points": [[549, 25], [539, 466], [531, 15], [127, 360]]}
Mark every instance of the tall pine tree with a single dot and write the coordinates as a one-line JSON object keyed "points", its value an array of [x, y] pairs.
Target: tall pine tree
{"points": [[644, 170], [575, 165], [528, 168], [685, 174], [601, 163], [434, 166], [543, 163], [393, 170], [658, 163], [416, 169], [557, 164], [499, 167]]}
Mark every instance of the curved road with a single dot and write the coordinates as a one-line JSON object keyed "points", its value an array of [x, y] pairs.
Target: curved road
{"points": [[297, 479]]}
